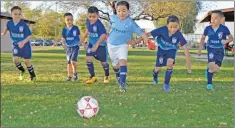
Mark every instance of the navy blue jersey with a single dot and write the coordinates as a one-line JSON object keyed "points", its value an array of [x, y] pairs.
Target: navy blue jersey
{"points": [[167, 41], [215, 36], [19, 31], [71, 36]]}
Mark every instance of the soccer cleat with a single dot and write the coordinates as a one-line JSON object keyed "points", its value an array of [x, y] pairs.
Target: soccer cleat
{"points": [[155, 80], [106, 79], [123, 90], [68, 79], [209, 87], [118, 80], [32, 78], [91, 80], [75, 76], [166, 87], [207, 68], [22, 75]]}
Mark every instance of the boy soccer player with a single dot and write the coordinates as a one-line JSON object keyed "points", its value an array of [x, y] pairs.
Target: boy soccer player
{"points": [[122, 28], [168, 38], [217, 34], [71, 39], [97, 48], [20, 35]]}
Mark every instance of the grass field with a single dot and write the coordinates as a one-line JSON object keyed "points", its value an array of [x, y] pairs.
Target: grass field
{"points": [[50, 101]]}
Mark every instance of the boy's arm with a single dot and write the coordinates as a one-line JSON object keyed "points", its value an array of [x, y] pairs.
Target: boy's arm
{"points": [[188, 61], [101, 39], [140, 38], [63, 43], [200, 44], [4, 31], [230, 39]]}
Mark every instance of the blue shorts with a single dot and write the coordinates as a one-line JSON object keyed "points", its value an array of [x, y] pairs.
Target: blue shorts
{"points": [[72, 53], [101, 53], [25, 52], [215, 55], [164, 55]]}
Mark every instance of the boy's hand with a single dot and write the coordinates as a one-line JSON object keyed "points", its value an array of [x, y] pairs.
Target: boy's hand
{"points": [[199, 52], [2, 34], [131, 42], [94, 49], [64, 46], [224, 41], [21, 44]]}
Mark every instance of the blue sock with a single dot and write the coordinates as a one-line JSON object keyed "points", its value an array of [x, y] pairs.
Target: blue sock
{"points": [[106, 69], [90, 67], [155, 74], [123, 73], [168, 76], [117, 72], [209, 77]]}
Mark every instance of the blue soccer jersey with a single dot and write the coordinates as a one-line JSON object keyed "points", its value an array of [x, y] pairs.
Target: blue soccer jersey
{"points": [[71, 36], [122, 30], [167, 41], [95, 31], [19, 31], [215, 36]]}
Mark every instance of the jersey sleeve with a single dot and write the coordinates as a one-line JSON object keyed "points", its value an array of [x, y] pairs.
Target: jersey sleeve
{"points": [[63, 33], [101, 29], [156, 32], [226, 31], [78, 31], [182, 39], [27, 31], [205, 33], [8, 25], [136, 29]]}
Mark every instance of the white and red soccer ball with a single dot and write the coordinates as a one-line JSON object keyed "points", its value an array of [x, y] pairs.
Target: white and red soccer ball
{"points": [[87, 107]]}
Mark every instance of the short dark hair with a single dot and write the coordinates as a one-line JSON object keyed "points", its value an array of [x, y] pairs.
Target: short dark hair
{"points": [[172, 18], [124, 3], [93, 9], [68, 14], [15, 8], [220, 13]]}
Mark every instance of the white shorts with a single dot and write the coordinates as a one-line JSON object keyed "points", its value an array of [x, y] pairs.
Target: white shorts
{"points": [[117, 52]]}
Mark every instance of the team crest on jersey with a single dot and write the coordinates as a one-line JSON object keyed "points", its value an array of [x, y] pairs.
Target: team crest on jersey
{"points": [[94, 28], [74, 32], [211, 55], [161, 60], [174, 39], [21, 28], [15, 51], [220, 35]]}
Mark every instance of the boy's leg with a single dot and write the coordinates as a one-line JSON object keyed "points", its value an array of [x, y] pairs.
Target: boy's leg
{"points": [[170, 64], [155, 72], [19, 66], [30, 69], [74, 62], [122, 55], [69, 65], [102, 56], [161, 60]]}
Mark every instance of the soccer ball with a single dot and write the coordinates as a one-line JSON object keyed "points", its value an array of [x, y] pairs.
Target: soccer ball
{"points": [[151, 45], [87, 107]]}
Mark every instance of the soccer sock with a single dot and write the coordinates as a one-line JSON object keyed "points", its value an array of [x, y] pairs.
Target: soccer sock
{"points": [[106, 69], [123, 73], [209, 77], [31, 71], [20, 67], [168, 76], [155, 74], [90, 67], [117, 72]]}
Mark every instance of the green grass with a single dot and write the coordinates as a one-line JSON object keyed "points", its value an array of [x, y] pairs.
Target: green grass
{"points": [[51, 102]]}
